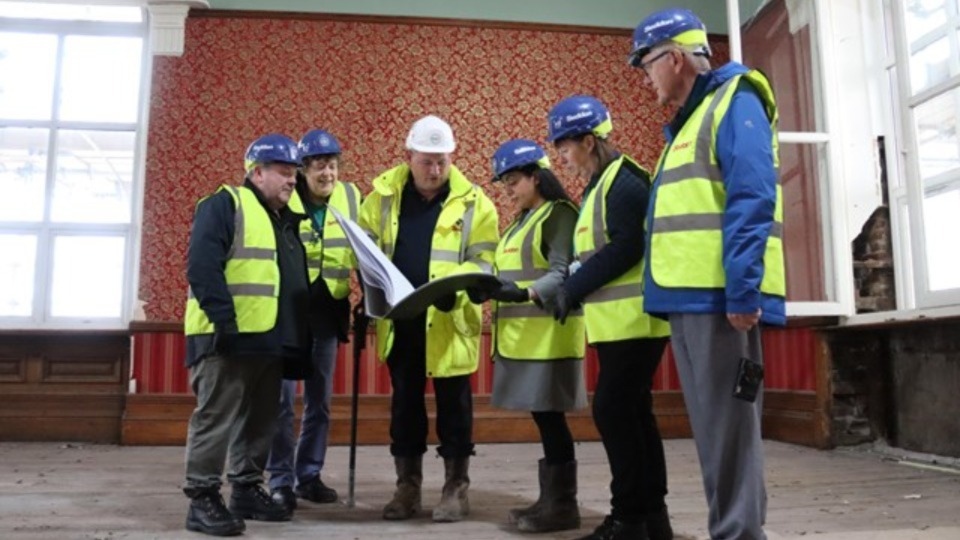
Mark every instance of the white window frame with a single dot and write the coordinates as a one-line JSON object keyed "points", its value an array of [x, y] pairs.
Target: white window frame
{"points": [[838, 259], [45, 229], [910, 247]]}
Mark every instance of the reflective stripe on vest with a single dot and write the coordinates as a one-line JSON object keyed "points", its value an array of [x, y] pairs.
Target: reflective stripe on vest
{"points": [[523, 331], [251, 272], [686, 234], [615, 311], [331, 255]]}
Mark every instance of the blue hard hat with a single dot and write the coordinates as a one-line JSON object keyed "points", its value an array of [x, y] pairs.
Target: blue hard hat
{"points": [[517, 153], [577, 115], [679, 25], [272, 148], [318, 142]]}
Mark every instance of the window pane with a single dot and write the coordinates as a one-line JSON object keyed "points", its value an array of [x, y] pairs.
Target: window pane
{"points": [[27, 69], [31, 10], [938, 147], [924, 16], [930, 65], [16, 274], [87, 276], [801, 168], [23, 173], [94, 177], [941, 221], [779, 42], [101, 79]]}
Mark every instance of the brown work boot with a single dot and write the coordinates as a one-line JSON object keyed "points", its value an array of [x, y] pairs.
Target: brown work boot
{"points": [[559, 510], [454, 504], [406, 500]]}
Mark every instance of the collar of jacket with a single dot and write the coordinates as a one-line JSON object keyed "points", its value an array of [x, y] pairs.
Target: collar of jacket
{"points": [[285, 213], [703, 85], [392, 181]]}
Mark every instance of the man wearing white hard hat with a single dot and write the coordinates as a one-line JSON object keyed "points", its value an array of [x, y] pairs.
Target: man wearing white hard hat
{"points": [[431, 221]]}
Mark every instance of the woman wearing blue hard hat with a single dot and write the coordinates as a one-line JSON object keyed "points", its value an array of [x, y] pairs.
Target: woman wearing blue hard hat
{"points": [[296, 463], [609, 248], [539, 362]]}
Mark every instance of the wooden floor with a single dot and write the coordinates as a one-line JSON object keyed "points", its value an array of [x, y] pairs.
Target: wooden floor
{"points": [[71, 491]]}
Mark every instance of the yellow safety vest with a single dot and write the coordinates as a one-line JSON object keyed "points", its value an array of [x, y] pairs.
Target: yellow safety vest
{"points": [[330, 255], [252, 272], [687, 229], [613, 312], [464, 241], [523, 331]]}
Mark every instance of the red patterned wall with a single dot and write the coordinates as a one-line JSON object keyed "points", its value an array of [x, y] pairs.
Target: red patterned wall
{"points": [[366, 82]]}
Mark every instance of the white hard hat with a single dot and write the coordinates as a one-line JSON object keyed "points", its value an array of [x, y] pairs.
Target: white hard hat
{"points": [[432, 135]]}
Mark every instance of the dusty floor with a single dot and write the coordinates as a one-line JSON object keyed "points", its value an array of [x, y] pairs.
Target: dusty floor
{"points": [[77, 491]]}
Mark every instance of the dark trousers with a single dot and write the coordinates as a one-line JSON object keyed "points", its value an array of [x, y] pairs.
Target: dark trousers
{"points": [[623, 413], [235, 419], [408, 411]]}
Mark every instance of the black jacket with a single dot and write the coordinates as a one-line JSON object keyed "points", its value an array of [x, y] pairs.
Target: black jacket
{"points": [[211, 238]]}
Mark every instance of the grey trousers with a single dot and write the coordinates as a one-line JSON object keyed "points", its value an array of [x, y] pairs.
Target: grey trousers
{"points": [[235, 419], [726, 429]]}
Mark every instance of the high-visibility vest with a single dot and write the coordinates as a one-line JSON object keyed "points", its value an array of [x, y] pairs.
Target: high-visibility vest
{"points": [[523, 331], [252, 272], [687, 227], [613, 312], [330, 255], [464, 241]]}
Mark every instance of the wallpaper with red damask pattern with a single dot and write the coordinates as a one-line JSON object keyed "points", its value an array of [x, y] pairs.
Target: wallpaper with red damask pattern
{"points": [[366, 82]]}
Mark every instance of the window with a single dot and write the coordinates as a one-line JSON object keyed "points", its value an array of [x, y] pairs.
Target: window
{"points": [[70, 132], [923, 70]]}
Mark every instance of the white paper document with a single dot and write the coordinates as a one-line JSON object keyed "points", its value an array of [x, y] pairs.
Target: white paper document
{"points": [[387, 292]]}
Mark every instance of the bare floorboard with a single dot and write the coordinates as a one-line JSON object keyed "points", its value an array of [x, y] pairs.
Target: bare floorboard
{"points": [[72, 491]]}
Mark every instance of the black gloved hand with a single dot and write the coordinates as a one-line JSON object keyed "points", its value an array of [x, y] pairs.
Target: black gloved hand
{"points": [[478, 295], [563, 306], [225, 338], [446, 303], [509, 292]]}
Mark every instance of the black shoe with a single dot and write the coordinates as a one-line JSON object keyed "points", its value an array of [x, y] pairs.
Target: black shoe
{"points": [[208, 515], [315, 491], [284, 496], [613, 529], [251, 501]]}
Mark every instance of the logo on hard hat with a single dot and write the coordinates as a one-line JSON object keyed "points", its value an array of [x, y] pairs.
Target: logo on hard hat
{"points": [[324, 141], [658, 24], [524, 150], [436, 137], [579, 115], [557, 122]]}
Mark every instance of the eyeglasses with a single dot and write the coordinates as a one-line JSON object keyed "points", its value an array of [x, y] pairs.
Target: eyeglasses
{"points": [[648, 63]]}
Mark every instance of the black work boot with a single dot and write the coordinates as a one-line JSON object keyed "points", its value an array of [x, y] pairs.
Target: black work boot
{"points": [[284, 496], [658, 525], [208, 515], [559, 510], [614, 529], [454, 504], [406, 500], [251, 501], [316, 491], [517, 513]]}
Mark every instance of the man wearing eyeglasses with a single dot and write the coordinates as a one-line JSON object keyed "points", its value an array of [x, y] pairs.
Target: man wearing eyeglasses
{"points": [[714, 263]]}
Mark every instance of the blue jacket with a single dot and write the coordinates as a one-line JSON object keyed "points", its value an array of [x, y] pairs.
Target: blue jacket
{"points": [[745, 155]]}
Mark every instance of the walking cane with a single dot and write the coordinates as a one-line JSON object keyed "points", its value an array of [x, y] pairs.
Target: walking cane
{"points": [[360, 322]]}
